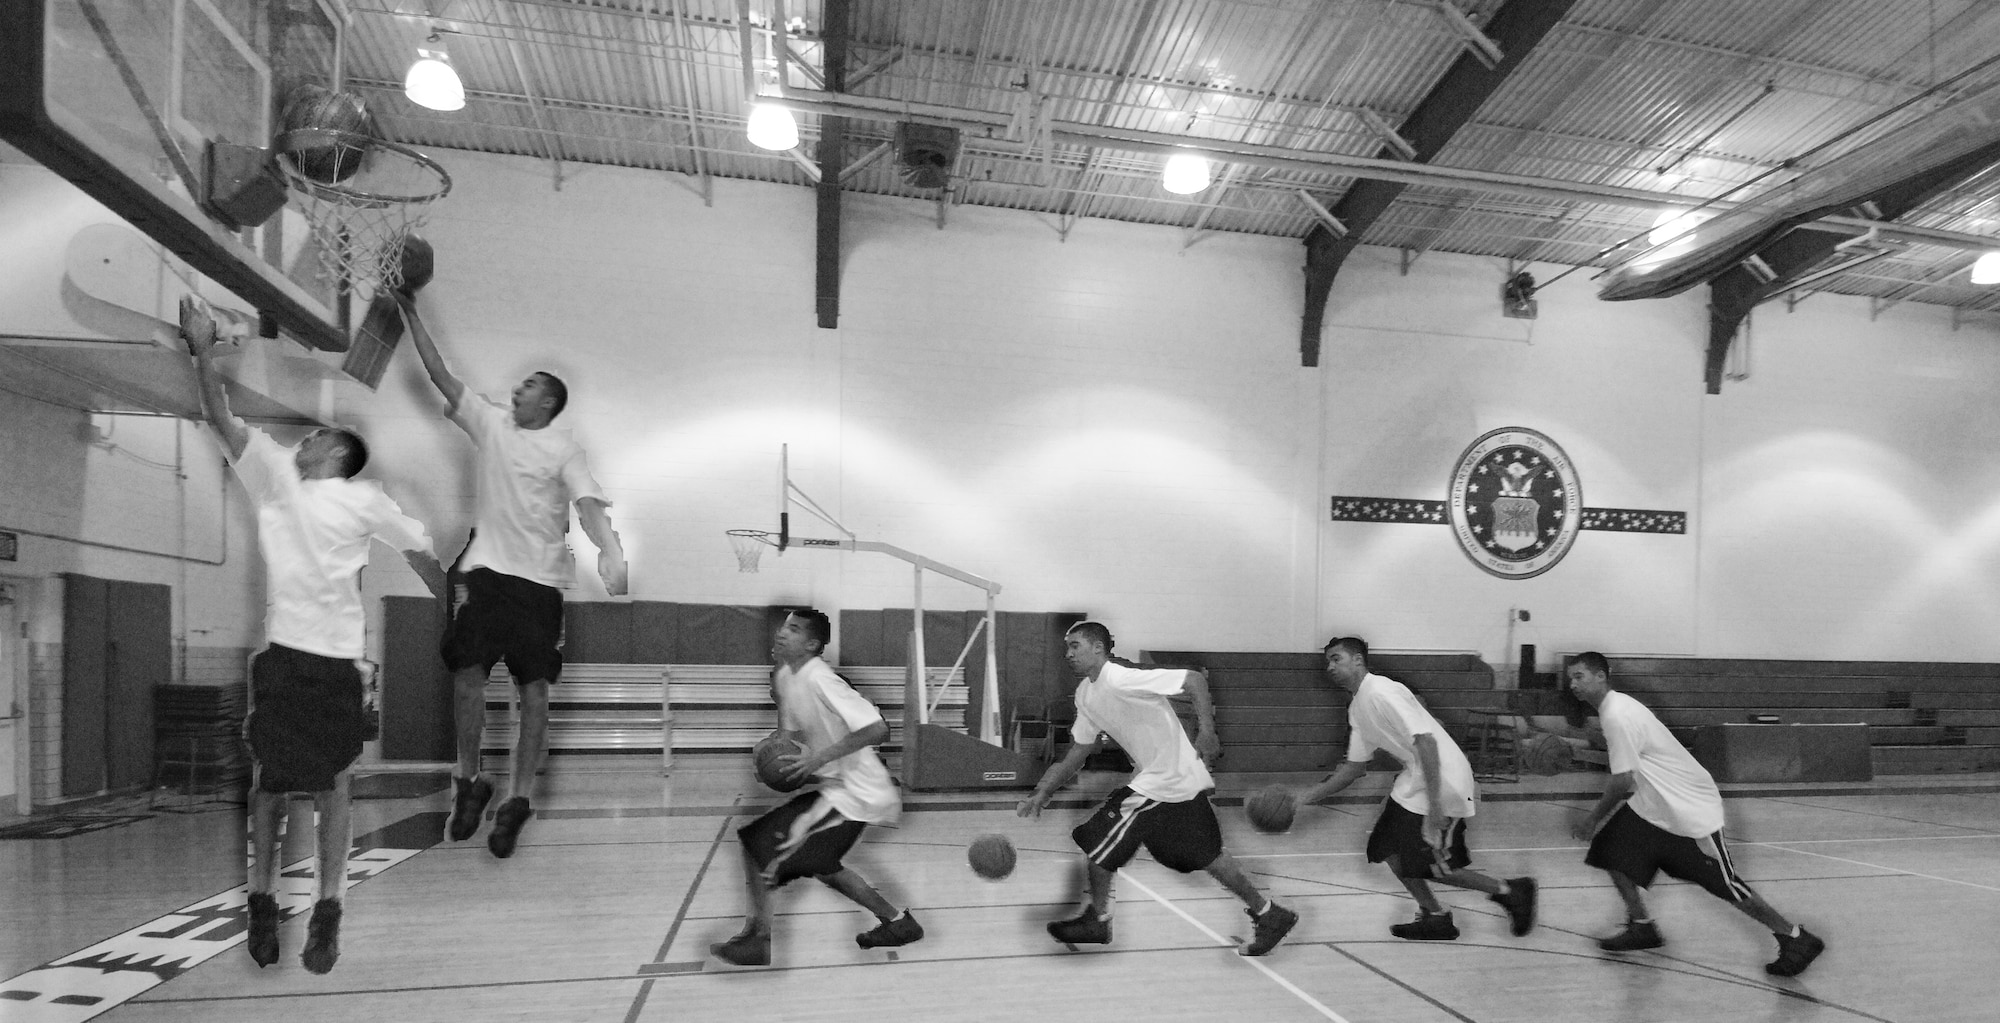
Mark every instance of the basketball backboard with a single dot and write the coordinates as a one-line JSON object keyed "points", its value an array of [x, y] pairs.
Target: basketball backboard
{"points": [[122, 98]]}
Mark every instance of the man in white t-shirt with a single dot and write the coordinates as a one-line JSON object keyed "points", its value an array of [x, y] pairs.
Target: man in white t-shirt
{"points": [[1165, 806], [807, 837], [1661, 811], [307, 719], [508, 603], [1421, 832]]}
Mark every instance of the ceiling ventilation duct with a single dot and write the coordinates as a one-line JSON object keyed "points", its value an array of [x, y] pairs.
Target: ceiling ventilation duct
{"points": [[925, 154]]}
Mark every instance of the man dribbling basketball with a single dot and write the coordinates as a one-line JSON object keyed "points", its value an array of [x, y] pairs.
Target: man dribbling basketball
{"points": [[1661, 811], [508, 605], [1164, 807], [1421, 832], [807, 837]]}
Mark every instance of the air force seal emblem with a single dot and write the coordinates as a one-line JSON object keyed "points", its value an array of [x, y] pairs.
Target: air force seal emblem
{"points": [[1515, 504]]}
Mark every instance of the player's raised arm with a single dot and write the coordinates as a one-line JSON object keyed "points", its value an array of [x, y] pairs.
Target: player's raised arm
{"points": [[447, 384], [198, 332]]}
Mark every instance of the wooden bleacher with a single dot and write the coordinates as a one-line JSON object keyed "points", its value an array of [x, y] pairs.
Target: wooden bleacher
{"points": [[1280, 712], [613, 711], [1923, 717]]}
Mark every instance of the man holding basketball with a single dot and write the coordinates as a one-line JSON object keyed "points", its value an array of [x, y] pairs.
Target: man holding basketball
{"points": [[1165, 806], [507, 604], [307, 720], [1660, 812], [807, 837], [1421, 832]]}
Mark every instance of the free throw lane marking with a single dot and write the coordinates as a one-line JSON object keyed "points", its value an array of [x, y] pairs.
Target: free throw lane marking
{"points": [[1252, 961]]}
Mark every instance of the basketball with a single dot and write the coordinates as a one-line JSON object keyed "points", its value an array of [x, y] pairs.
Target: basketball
{"points": [[418, 263], [318, 107], [769, 771], [991, 856], [1271, 809], [1544, 753]]}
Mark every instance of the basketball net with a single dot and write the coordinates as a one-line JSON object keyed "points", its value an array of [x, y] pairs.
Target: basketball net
{"points": [[749, 545], [359, 222]]}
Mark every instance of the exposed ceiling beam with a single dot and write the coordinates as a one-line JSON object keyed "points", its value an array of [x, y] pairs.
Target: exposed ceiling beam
{"points": [[1513, 31]]}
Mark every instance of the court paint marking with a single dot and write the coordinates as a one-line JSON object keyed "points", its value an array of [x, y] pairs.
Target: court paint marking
{"points": [[90, 982], [1785, 847], [1252, 961], [659, 965]]}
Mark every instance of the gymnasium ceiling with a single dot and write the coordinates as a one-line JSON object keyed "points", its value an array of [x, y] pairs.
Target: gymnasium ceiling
{"points": [[1621, 109]]}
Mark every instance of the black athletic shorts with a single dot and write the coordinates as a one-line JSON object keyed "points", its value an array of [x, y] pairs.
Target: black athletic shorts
{"points": [[1637, 848], [1183, 836], [1398, 839], [803, 838], [506, 618], [306, 718]]}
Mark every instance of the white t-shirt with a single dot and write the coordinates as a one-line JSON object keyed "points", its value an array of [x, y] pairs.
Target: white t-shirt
{"points": [[1674, 790], [526, 480], [314, 537], [820, 705], [1384, 715], [1131, 705]]}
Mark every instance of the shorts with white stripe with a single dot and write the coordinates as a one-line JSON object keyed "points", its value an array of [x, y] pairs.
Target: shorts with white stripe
{"points": [[806, 837], [1182, 836], [1637, 848]]}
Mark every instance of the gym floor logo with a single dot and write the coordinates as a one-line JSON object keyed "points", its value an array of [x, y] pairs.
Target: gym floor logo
{"points": [[1515, 503]]}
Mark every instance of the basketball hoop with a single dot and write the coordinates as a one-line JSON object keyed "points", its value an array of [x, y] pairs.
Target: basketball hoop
{"points": [[359, 218], [749, 545]]}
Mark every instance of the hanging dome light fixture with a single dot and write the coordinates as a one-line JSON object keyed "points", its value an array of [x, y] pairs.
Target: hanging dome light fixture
{"points": [[772, 127], [1185, 174], [431, 81], [1986, 269]]}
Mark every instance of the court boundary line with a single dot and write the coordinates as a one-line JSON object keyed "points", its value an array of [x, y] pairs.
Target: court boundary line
{"points": [[1251, 961], [1398, 981], [673, 930], [1896, 871]]}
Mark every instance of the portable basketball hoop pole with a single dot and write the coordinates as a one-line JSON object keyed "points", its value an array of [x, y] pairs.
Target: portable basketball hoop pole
{"points": [[934, 757]]}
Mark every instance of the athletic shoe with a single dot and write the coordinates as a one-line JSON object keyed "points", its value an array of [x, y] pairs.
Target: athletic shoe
{"points": [[745, 949], [468, 805], [1634, 937], [1795, 954], [322, 937], [1270, 929], [900, 931], [263, 928], [507, 823], [1519, 901], [1427, 927], [1085, 928]]}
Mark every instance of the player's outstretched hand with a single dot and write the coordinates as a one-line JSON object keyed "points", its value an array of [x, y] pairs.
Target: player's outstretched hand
{"points": [[197, 325], [611, 569], [1029, 807], [1208, 747], [1583, 829]]}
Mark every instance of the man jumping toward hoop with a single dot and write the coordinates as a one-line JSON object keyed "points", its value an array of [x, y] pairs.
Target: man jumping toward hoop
{"points": [[508, 603], [306, 723]]}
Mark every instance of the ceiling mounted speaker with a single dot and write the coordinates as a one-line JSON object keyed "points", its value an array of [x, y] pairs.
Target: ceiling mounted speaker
{"points": [[925, 153]]}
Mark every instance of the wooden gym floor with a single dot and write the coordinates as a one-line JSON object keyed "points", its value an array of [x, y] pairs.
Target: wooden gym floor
{"points": [[622, 881]]}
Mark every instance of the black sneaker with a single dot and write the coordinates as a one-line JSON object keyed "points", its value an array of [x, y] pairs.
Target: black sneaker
{"points": [[1795, 954], [263, 928], [745, 949], [1519, 902], [1270, 929], [1634, 937], [1427, 927], [900, 931], [507, 823], [322, 937], [1085, 928], [468, 805]]}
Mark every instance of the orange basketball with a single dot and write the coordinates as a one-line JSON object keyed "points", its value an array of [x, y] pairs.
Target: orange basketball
{"points": [[1271, 809], [991, 856], [769, 770]]}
